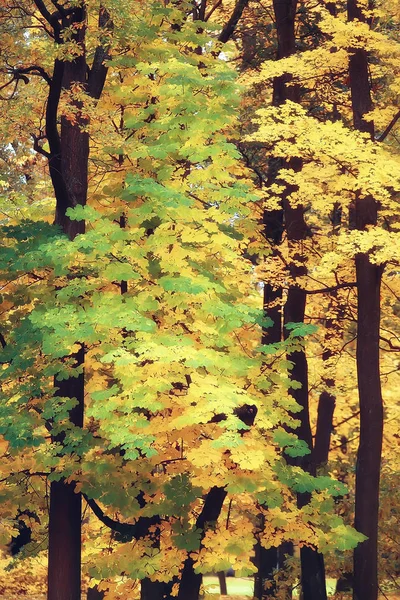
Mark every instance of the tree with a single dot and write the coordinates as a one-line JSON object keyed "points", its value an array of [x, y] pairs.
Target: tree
{"points": [[156, 297], [368, 278], [323, 94]]}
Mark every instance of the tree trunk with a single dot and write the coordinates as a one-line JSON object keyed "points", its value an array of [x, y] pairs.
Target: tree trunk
{"points": [[94, 593], [368, 277], [371, 428], [326, 408], [223, 590], [189, 587], [313, 573], [266, 562], [155, 590], [312, 563], [68, 162]]}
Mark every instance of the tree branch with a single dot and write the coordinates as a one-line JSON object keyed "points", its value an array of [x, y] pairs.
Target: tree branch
{"points": [[136, 530], [332, 288], [18, 72], [2, 341], [98, 71], [38, 148], [389, 128], [212, 9], [231, 24], [50, 18]]}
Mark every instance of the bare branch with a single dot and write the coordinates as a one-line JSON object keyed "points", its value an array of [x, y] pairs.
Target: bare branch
{"points": [[389, 128], [332, 288], [234, 19], [136, 530]]}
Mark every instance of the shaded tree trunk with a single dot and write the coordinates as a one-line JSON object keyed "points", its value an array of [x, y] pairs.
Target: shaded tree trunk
{"points": [[313, 573], [189, 587], [155, 590], [223, 590], [312, 563], [64, 566], [368, 277], [68, 166], [326, 408], [94, 593], [267, 560]]}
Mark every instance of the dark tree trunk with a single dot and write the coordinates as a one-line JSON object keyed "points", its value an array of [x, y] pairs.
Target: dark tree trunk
{"points": [[312, 563], [74, 140], [189, 587], [326, 408], [94, 593], [267, 561], [64, 567], [313, 573], [155, 590], [64, 570], [368, 278], [223, 590], [313, 584], [68, 167], [371, 427]]}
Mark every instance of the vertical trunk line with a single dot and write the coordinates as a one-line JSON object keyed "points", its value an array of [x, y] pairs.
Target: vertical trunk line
{"points": [[68, 163], [368, 277]]}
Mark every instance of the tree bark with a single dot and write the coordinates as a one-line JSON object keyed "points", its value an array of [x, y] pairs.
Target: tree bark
{"points": [[94, 593], [223, 590], [189, 587], [326, 408], [68, 166], [313, 573], [72, 154], [312, 563], [368, 277]]}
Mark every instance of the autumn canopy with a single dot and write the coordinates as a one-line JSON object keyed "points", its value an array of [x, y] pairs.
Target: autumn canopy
{"points": [[199, 272]]}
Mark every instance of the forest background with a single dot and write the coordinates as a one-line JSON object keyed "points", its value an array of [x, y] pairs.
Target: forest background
{"points": [[200, 297]]}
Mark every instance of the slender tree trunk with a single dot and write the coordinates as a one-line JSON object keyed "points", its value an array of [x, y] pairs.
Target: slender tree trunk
{"points": [[223, 590], [189, 587], [368, 277], [312, 563], [326, 408], [68, 166], [64, 567], [268, 560], [94, 593], [327, 399], [313, 573]]}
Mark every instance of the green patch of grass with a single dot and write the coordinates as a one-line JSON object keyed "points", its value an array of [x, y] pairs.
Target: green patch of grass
{"points": [[244, 586], [237, 586]]}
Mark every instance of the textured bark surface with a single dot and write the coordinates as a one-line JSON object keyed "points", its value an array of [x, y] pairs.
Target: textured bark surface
{"points": [[64, 571], [368, 277], [68, 167], [189, 587], [94, 593], [64, 567], [326, 408]]}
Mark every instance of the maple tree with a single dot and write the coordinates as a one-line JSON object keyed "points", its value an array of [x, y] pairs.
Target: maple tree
{"points": [[158, 358]]}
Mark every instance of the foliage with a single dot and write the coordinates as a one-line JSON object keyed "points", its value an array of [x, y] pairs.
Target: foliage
{"points": [[163, 290]]}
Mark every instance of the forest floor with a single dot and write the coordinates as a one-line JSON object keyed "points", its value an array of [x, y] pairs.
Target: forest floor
{"points": [[241, 588]]}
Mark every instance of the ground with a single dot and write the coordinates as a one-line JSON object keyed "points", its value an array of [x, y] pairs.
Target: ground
{"points": [[241, 588]]}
